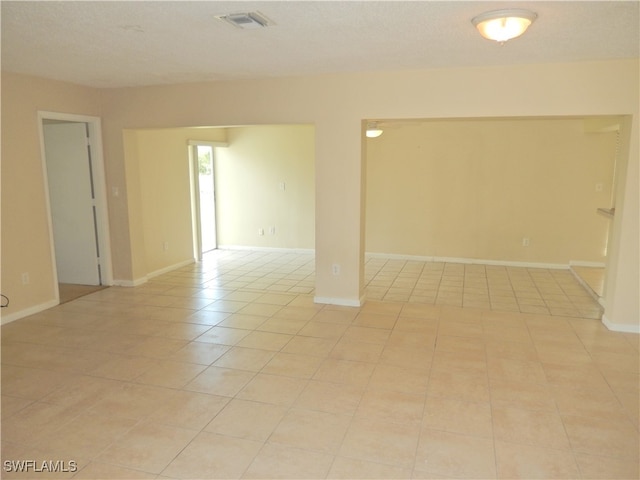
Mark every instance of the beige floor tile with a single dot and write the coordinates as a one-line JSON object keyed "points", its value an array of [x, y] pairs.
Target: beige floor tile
{"points": [[86, 435], [417, 324], [148, 447], [158, 347], [351, 468], [530, 396], [375, 320], [330, 397], [263, 309], [454, 455], [292, 365], [412, 339], [213, 456], [399, 379], [356, 351], [396, 407], [325, 330], [538, 428], [273, 389], [331, 314], [459, 362], [366, 334], [596, 467], [11, 405], [247, 419], [276, 299], [249, 359], [472, 387], [280, 461], [585, 374], [415, 358], [35, 421], [380, 441], [242, 321], [539, 384], [223, 335], [265, 340], [190, 410], [311, 430], [133, 401], [289, 326], [220, 381], [528, 462], [170, 374], [343, 371], [458, 416], [595, 402], [101, 471], [319, 347], [31, 383], [606, 437], [199, 352], [523, 371]]}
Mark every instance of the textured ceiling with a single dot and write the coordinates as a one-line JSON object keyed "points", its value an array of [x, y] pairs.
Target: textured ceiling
{"points": [[133, 43]]}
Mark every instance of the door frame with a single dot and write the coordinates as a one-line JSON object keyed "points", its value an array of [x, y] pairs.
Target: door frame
{"points": [[194, 180], [100, 189]]}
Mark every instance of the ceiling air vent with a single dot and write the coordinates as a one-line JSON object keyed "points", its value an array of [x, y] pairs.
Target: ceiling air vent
{"points": [[246, 21]]}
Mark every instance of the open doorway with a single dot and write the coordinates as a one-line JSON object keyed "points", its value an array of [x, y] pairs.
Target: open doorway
{"points": [[203, 198], [74, 173]]}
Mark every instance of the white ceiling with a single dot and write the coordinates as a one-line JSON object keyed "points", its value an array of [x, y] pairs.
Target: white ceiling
{"points": [[134, 43]]}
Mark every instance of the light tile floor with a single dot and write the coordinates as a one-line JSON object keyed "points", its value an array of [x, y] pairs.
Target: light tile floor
{"points": [[227, 369]]}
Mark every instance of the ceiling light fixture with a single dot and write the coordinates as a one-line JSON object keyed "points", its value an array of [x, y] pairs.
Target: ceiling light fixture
{"points": [[503, 25], [372, 130]]}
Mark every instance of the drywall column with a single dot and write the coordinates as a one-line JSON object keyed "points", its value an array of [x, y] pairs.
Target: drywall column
{"points": [[622, 305], [339, 212]]}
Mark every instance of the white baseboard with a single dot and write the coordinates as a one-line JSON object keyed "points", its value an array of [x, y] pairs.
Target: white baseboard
{"points": [[621, 327], [130, 283], [266, 249], [141, 281], [170, 268], [580, 263], [398, 256], [28, 311], [343, 302], [468, 261]]}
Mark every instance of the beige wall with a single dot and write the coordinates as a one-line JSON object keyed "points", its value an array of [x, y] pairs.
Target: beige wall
{"points": [[248, 196], [250, 174], [474, 189], [161, 176], [25, 229], [336, 105]]}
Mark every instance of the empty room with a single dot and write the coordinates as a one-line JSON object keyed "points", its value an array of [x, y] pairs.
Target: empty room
{"points": [[320, 239]]}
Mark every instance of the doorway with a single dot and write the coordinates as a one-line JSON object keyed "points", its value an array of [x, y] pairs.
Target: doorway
{"points": [[203, 198], [74, 173]]}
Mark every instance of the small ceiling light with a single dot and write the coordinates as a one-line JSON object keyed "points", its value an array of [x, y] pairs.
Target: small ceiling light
{"points": [[372, 130], [503, 25]]}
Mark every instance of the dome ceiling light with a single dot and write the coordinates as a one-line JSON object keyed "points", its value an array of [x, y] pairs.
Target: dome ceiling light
{"points": [[503, 25], [372, 130]]}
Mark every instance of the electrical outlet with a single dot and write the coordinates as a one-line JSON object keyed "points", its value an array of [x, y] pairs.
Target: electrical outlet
{"points": [[25, 278], [335, 269], [261, 231], [165, 246], [272, 230], [525, 242]]}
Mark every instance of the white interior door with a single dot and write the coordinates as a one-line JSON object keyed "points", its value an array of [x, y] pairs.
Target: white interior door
{"points": [[71, 194]]}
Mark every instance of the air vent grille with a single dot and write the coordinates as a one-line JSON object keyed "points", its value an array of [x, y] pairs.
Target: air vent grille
{"points": [[251, 20]]}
